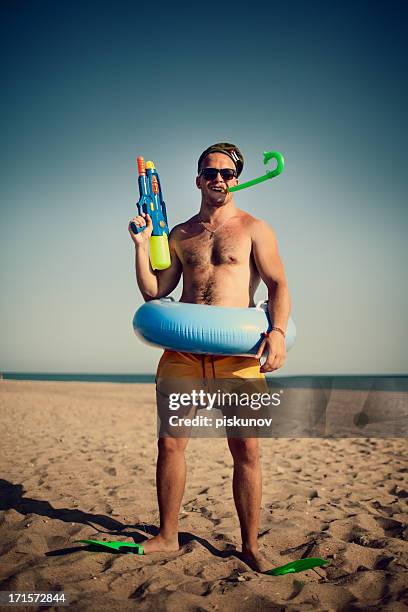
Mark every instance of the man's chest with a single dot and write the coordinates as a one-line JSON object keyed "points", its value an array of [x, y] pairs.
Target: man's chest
{"points": [[215, 249]]}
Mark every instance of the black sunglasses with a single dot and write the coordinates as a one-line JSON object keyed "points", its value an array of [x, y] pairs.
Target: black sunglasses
{"points": [[210, 174]]}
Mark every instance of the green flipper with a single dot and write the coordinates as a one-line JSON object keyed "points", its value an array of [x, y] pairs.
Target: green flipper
{"points": [[297, 566], [135, 549]]}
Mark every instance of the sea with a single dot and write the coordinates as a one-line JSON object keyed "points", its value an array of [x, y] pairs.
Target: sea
{"points": [[388, 382], [111, 378]]}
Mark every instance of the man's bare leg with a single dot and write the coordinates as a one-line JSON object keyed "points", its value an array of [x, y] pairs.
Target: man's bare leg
{"points": [[170, 481], [247, 489]]}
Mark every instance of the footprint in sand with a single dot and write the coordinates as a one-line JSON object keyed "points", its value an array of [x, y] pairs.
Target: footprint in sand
{"points": [[110, 470], [392, 528]]}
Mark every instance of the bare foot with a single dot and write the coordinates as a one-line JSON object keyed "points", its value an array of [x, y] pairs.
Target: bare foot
{"points": [[160, 544], [257, 560]]}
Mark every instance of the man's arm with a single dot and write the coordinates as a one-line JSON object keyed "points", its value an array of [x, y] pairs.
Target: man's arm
{"points": [[271, 270], [154, 284]]}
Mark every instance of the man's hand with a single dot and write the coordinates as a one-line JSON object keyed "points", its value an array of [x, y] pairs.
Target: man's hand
{"points": [[141, 221], [274, 345]]}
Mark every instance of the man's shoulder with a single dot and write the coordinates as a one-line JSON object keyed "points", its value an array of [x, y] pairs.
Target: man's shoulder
{"points": [[181, 228], [247, 218], [253, 224], [184, 225]]}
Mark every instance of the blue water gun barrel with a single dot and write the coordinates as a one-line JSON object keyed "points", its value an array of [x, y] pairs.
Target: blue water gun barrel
{"points": [[151, 202]]}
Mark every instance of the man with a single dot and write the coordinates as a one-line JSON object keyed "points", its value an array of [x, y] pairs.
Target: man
{"points": [[222, 253]]}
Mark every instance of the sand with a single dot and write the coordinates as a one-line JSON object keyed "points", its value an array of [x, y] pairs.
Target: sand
{"points": [[78, 461]]}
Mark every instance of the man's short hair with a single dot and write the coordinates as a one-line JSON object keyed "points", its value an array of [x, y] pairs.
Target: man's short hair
{"points": [[228, 149]]}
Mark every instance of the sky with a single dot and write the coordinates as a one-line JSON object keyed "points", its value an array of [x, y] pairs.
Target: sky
{"points": [[88, 86]]}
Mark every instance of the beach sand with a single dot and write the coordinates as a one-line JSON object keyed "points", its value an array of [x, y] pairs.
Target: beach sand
{"points": [[78, 462]]}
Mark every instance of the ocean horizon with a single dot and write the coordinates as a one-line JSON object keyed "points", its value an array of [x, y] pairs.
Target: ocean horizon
{"points": [[385, 382], [79, 377]]}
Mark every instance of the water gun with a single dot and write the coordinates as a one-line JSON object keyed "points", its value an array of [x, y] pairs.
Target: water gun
{"points": [[151, 202]]}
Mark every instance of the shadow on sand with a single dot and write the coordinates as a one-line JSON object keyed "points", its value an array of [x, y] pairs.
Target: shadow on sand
{"points": [[12, 497]]}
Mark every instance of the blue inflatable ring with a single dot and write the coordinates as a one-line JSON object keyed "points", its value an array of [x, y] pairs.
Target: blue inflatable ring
{"points": [[198, 328]]}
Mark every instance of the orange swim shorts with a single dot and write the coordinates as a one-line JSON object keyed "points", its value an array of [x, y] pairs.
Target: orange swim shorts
{"points": [[174, 364], [188, 373]]}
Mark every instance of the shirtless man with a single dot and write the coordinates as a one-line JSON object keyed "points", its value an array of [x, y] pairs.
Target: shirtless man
{"points": [[222, 253]]}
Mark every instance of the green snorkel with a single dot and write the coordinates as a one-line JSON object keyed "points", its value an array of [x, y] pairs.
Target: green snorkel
{"points": [[267, 157]]}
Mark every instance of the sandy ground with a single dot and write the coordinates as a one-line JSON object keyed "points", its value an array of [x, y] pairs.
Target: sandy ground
{"points": [[78, 461]]}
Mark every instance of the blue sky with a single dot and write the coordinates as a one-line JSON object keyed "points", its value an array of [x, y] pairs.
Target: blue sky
{"points": [[89, 86]]}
